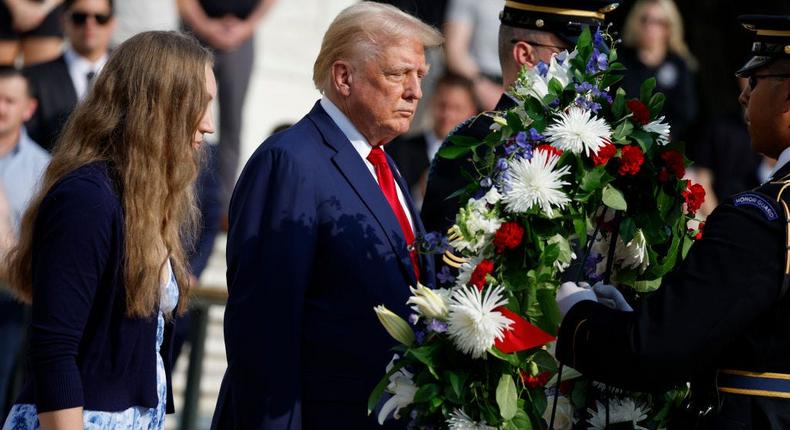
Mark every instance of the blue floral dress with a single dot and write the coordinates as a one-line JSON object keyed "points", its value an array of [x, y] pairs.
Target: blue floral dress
{"points": [[25, 416]]}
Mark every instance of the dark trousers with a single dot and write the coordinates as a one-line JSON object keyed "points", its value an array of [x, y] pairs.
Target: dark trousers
{"points": [[12, 333], [232, 70]]}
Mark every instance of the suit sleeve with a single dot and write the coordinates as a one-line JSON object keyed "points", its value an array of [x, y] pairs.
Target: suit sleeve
{"points": [[728, 280], [271, 246], [69, 257]]}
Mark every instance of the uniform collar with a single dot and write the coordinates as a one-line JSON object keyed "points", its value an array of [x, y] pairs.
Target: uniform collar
{"points": [[783, 159]]}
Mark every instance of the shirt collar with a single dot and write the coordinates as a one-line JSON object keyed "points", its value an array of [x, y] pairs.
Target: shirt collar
{"points": [[783, 159], [79, 67], [347, 127], [433, 143]]}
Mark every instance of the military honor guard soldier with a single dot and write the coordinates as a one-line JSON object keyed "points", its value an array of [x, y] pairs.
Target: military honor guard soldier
{"points": [[725, 312]]}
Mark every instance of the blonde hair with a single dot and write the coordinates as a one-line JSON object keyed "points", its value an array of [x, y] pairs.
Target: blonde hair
{"points": [[140, 118], [363, 29], [677, 43]]}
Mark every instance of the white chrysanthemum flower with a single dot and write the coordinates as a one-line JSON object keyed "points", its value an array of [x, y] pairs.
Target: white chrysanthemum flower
{"points": [[465, 271], [634, 254], [402, 388], [535, 182], [473, 324], [620, 411], [578, 131], [459, 420], [661, 128], [563, 419]]}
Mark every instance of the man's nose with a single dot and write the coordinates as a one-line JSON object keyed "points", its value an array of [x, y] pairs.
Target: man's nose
{"points": [[413, 89]]}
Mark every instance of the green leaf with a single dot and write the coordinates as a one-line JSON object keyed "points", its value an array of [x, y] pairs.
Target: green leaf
{"points": [[643, 138], [614, 198], [622, 131], [647, 286], [551, 312], [593, 179], [512, 359], [514, 121], [656, 104], [457, 382], [616, 67], [610, 79], [555, 87], [425, 393], [426, 355], [646, 90], [519, 422], [580, 228], [375, 395], [627, 229], [453, 152], [618, 105], [585, 39], [461, 140], [506, 397]]}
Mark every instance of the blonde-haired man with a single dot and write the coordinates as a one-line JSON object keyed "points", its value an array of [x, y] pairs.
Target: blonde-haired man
{"points": [[321, 231]]}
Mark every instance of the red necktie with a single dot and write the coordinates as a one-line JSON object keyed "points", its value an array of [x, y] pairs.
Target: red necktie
{"points": [[387, 185]]}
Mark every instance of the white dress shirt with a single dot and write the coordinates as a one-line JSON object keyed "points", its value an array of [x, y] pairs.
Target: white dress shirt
{"points": [[362, 146], [433, 143], [79, 67], [783, 159]]}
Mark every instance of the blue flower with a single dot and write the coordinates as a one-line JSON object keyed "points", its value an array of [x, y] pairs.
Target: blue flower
{"points": [[521, 139], [433, 243], [554, 104], [543, 69], [486, 182], [419, 337], [510, 148], [501, 164], [437, 326], [598, 39], [535, 136], [413, 319], [445, 276], [598, 62]]}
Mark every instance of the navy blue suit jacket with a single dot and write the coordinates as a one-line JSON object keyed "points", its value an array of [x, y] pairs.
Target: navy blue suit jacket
{"points": [[313, 246]]}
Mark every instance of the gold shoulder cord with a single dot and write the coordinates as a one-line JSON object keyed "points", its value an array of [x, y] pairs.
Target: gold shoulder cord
{"points": [[785, 182]]}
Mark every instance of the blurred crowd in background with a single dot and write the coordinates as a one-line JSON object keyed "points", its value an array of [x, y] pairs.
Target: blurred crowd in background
{"points": [[51, 50]]}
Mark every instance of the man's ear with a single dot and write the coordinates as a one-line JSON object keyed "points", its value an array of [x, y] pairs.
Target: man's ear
{"points": [[524, 54], [342, 72], [30, 109]]}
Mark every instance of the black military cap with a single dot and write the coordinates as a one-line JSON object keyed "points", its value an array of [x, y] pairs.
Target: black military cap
{"points": [[771, 41], [565, 18]]}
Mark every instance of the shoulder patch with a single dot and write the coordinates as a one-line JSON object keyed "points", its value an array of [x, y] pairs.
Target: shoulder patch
{"points": [[757, 201]]}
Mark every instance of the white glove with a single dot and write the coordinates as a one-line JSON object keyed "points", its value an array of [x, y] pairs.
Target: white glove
{"points": [[611, 297], [569, 294]]}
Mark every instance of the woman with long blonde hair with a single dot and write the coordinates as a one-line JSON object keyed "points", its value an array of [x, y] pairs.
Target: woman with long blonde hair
{"points": [[101, 250], [655, 47]]}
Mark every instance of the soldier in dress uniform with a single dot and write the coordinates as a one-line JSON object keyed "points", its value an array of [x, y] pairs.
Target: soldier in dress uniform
{"points": [[725, 312], [531, 31]]}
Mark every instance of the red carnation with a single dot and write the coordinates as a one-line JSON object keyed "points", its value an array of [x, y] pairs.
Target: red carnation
{"points": [[640, 111], [605, 153], [675, 164], [508, 236], [550, 149], [534, 382], [700, 229], [631, 160], [478, 278], [694, 196]]}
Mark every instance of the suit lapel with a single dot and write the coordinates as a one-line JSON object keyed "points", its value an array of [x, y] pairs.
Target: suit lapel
{"points": [[70, 92], [353, 168]]}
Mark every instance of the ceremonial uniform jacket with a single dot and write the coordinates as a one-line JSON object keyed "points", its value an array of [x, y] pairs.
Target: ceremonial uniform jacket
{"points": [[446, 176], [722, 309]]}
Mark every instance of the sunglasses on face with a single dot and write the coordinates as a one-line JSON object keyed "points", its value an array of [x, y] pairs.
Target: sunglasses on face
{"points": [[753, 79], [80, 18]]}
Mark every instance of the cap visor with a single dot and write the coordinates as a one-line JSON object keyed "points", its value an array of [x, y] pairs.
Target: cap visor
{"points": [[752, 65]]}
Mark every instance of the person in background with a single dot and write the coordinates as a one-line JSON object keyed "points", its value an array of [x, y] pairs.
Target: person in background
{"points": [[137, 16], [654, 47], [471, 47], [227, 27], [452, 103], [101, 253], [31, 28], [60, 83], [22, 163]]}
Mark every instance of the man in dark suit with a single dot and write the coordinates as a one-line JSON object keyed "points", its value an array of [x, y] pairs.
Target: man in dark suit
{"points": [[453, 101], [531, 31], [322, 230], [60, 83], [723, 318]]}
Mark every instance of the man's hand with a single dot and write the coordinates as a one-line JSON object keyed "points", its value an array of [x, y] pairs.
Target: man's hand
{"points": [[570, 293], [610, 296]]}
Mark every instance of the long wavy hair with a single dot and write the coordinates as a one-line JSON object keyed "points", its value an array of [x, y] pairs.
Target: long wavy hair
{"points": [[676, 42], [140, 118]]}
